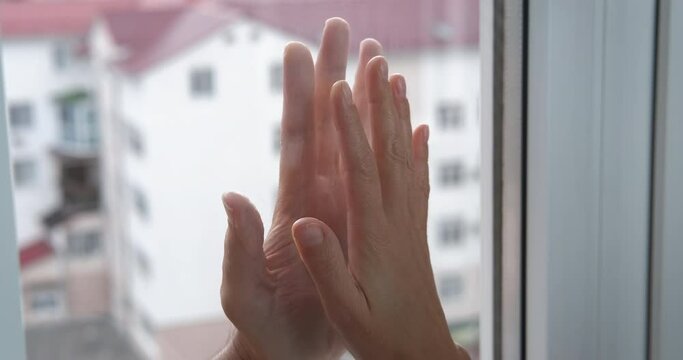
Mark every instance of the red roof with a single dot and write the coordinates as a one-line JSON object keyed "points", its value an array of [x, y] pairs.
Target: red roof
{"points": [[29, 19], [152, 35], [34, 251], [397, 24]]}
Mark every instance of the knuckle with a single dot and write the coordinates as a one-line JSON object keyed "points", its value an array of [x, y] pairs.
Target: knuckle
{"points": [[364, 169], [396, 151], [325, 265]]}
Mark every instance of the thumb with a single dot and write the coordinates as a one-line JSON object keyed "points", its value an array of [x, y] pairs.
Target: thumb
{"points": [[244, 270], [320, 250]]}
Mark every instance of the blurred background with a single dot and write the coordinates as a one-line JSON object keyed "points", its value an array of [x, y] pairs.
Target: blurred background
{"points": [[128, 119]]}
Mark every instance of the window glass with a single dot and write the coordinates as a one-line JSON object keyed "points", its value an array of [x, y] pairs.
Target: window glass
{"points": [[79, 127], [140, 203], [201, 82], [84, 244], [451, 115], [24, 173], [276, 77], [451, 172], [129, 175], [45, 301], [21, 115], [451, 287], [135, 141], [452, 231], [62, 55], [142, 263]]}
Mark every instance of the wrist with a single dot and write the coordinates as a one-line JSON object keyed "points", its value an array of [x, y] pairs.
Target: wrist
{"points": [[238, 348]]}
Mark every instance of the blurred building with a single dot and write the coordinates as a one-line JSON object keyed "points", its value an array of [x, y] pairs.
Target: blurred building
{"points": [[184, 103], [54, 139]]}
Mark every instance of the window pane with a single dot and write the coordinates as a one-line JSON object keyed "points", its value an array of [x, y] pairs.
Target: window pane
{"points": [[450, 115], [24, 173], [20, 116], [201, 82], [176, 105]]}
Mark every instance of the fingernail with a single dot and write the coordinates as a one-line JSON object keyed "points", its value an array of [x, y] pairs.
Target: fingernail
{"points": [[426, 134], [311, 235], [400, 87], [346, 94], [383, 69], [229, 210]]}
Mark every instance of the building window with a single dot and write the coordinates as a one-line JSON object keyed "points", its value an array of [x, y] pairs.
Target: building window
{"points": [[140, 203], [451, 287], [142, 263], [134, 140], [79, 123], [201, 82], [24, 172], [62, 55], [451, 173], [84, 244], [255, 34], [276, 140], [229, 37], [21, 115], [452, 231], [276, 77], [45, 301], [451, 115]]}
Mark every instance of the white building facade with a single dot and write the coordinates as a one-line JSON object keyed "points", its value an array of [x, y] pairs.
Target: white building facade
{"points": [[53, 139]]}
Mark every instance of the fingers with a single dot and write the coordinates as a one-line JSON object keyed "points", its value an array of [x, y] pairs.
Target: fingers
{"points": [[297, 159], [388, 136], [320, 251], [361, 178], [420, 140], [329, 68], [369, 48], [244, 274], [398, 88]]}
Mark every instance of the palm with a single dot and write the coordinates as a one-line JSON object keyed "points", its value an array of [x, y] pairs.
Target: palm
{"points": [[293, 301]]}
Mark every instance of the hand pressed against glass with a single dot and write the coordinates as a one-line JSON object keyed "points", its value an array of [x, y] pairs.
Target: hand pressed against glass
{"points": [[266, 291], [381, 298], [358, 275]]}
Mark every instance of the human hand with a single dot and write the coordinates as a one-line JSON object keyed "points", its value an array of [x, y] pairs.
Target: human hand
{"points": [[381, 297], [266, 291]]}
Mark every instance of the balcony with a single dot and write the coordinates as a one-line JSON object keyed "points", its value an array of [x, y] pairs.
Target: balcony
{"points": [[79, 133]]}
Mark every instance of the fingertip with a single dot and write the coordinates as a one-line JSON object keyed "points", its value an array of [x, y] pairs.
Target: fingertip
{"points": [[398, 86], [296, 51], [422, 133], [341, 93], [308, 232], [421, 143], [378, 67], [370, 46], [337, 23], [230, 199], [376, 77], [233, 199]]}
